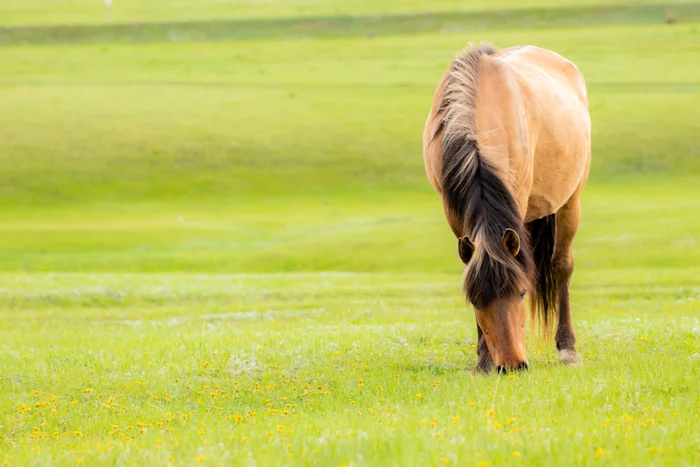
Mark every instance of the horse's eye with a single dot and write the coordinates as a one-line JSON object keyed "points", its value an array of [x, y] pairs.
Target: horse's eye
{"points": [[522, 294]]}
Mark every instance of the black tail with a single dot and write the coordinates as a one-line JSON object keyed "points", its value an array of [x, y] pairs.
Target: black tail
{"points": [[544, 301]]}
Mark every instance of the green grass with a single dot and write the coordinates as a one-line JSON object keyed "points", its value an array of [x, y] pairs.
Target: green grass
{"points": [[15, 12], [243, 122], [354, 26], [220, 247], [649, 224], [337, 369]]}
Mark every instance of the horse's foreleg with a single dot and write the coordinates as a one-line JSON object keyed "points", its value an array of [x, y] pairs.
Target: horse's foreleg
{"points": [[567, 221]]}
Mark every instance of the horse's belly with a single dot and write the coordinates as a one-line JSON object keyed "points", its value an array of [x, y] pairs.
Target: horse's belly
{"points": [[559, 169], [541, 205]]}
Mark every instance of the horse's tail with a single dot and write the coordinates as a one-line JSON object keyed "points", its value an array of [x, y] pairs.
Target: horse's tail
{"points": [[543, 302]]}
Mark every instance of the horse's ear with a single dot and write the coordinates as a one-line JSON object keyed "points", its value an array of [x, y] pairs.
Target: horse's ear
{"points": [[466, 249], [511, 241]]}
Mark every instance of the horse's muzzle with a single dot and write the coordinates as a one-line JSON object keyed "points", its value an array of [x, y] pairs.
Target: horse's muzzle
{"points": [[523, 366]]}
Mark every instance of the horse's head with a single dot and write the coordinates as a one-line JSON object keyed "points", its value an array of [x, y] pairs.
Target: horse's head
{"points": [[496, 282]]}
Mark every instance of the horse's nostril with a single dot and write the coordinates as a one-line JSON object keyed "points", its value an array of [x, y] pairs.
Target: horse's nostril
{"points": [[522, 366]]}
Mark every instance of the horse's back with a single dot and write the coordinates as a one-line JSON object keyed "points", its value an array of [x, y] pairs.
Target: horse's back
{"points": [[558, 125], [532, 124]]}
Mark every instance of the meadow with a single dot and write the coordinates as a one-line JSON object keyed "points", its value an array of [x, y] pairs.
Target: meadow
{"points": [[218, 245]]}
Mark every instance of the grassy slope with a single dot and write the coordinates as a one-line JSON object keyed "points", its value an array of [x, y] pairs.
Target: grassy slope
{"points": [[210, 131], [22, 12], [274, 156], [361, 103], [353, 26]]}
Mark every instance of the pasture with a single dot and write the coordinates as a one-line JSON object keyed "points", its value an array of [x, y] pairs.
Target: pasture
{"points": [[218, 244]]}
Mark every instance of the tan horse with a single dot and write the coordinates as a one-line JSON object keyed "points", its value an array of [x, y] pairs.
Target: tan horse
{"points": [[507, 145]]}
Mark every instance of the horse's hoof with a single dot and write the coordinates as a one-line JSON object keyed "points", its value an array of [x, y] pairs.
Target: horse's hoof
{"points": [[569, 357]]}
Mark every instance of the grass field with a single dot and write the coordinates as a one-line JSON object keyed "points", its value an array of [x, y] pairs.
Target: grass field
{"points": [[218, 244], [25, 12]]}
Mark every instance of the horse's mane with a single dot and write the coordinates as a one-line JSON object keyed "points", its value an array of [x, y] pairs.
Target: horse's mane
{"points": [[475, 194]]}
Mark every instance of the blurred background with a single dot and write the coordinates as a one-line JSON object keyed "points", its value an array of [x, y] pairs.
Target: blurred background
{"points": [[218, 244], [273, 136]]}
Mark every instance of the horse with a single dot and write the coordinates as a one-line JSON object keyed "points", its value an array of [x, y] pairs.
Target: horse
{"points": [[507, 145]]}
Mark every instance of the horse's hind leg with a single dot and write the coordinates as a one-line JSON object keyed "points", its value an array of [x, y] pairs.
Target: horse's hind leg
{"points": [[485, 363], [567, 220]]}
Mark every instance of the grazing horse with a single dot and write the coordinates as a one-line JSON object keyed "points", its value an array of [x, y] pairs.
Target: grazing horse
{"points": [[507, 145]]}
